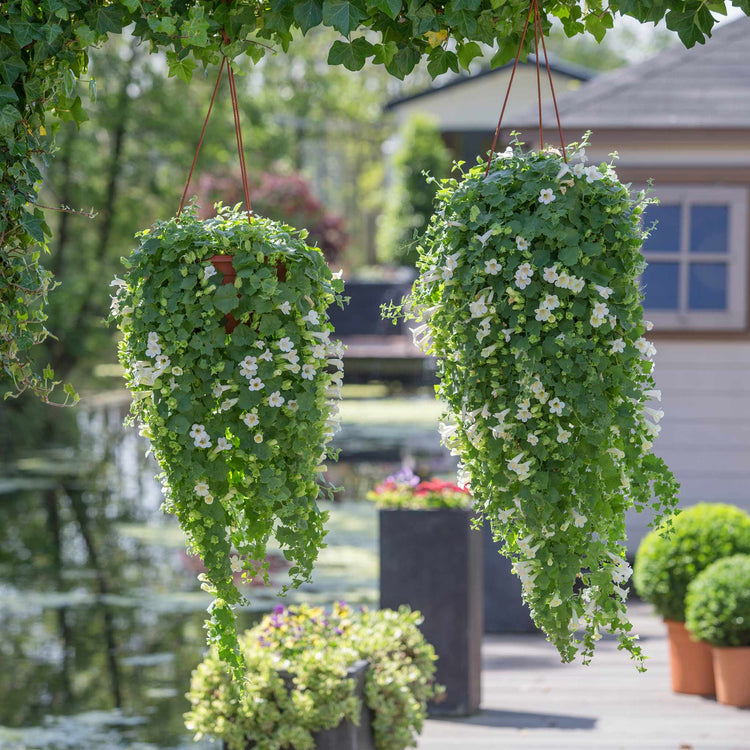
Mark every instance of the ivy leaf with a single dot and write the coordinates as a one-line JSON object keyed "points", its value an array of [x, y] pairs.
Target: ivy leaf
{"points": [[440, 61], [183, 69], [7, 94], [351, 55], [23, 32], [467, 52], [390, 7], [404, 61], [106, 19], [195, 29], [9, 116], [33, 225], [342, 15], [308, 14], [686, 26], [384, 54]]}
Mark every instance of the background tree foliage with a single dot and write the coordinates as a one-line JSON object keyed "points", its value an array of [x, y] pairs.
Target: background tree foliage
{"points": [[43, 54]]}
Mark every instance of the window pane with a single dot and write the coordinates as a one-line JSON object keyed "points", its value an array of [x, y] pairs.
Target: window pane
{"points": [[708, 286], [660, 282], [665, 237], [709, 229]]}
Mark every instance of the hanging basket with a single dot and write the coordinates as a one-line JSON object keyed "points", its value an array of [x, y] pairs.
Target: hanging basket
{"points": [[528, 296], [239, 418]]}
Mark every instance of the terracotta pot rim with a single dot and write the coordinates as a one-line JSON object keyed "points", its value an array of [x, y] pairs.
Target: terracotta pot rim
{"points": [[724, 649]]}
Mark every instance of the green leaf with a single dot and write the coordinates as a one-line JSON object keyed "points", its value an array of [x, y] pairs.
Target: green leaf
{"points": [[106, 19], [33, 225], [24, 32], [351, 55], [7, 94], [225, 298], [685, 24], [404, 61], [195, 30], [85, 35], [342, 15], [384, 54], [10, 69], [569, 255], [391, 7], [467, 52], [440, 61], [9, 116], [308, 15], [183, 68]]}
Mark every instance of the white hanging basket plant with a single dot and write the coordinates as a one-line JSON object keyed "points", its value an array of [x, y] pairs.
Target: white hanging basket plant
{"points": [[239, 422], [528, 296]]}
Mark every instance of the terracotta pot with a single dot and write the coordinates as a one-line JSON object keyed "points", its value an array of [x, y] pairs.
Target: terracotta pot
{"points": [[223, 264], [690, 662], [732, 672]]}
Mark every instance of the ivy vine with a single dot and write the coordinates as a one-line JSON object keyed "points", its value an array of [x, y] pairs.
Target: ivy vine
{"points": [[43, 61]]}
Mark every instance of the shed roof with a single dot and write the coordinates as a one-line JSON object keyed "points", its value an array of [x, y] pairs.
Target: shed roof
{"points": [[707, 86]]}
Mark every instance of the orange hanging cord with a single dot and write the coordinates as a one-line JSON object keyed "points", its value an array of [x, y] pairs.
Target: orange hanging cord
{"points": [[237, 131], [533, 11]]}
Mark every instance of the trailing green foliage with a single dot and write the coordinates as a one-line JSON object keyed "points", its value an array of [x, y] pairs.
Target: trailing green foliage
{"points": [[296, 663], [528, 292], [239, 422], [43, 53], [673, 554], [717, 606]]}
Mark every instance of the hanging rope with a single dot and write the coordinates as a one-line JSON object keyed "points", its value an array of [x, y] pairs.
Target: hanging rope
{"points": [[237, 132], [533, 11]]}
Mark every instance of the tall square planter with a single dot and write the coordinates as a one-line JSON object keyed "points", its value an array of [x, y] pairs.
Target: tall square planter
{"points": [[432, 560], [504, 609]]}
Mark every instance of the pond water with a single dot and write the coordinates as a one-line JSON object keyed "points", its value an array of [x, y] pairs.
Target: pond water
{"points": [[101, 615]]}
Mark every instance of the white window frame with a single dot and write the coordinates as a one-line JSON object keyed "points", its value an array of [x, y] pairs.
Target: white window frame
{"points": [[735, 315]]}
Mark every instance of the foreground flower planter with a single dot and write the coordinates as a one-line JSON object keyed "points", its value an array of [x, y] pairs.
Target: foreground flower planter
{"points": [[432, 561], [690, 662], [347, 735], [732, 674]]}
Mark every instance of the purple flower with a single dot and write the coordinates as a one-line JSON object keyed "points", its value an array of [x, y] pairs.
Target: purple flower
{"points": [[279, 609], [404, 476]]}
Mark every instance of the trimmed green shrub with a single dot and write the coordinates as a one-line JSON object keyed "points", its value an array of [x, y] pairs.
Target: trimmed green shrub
{"points": [[668, 559], [295, 684], [717, 606]]}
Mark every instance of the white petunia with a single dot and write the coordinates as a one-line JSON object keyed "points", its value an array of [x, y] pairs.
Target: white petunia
{"points": [[649, 325], [532, 439], [218, 389], [551, 302], [564, 169], [249, 367], [484, 237], [521, 243], [312, 317], [161, 362], [578, 519], [563, 280], [292, 405], [224, 445], [478, 307], [504, 515], [227, 404], [556, 406], [266, 356], [276, 399], [291, 356], [255, 384], [523, 414], [202, 440], [319, 351], [576, 285], [208, 499], [506, 333], [555, 601], [451, 262], [604, 291], [447, 274], [546, 196], [197, 429], [522, 282], [153, 337], [286, 307], [208, 272], [656, 414], [251, 419], [600, 310], [592, 174], [201, 489], [562, 435], [550, 274], [236, 564], [617, 346], [578, 169], [308, 372], [542, 314], [153, 349], [492, 267], [258, 437], [286, 344], [177, 371]]}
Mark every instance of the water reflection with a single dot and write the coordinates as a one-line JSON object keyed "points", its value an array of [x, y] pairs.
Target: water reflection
{"points": [[101, 616]]}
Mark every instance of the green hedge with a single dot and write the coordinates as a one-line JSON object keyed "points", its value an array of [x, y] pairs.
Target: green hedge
{"points": [[668, 560], [717, 606]]}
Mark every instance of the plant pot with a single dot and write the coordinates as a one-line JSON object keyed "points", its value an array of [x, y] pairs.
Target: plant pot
{"points": [[432, 561], [690, 662], [346, 735], [732, 674], [504, 608], [224, 264]]}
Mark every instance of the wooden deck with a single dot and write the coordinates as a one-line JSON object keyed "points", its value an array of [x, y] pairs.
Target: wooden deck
{"points": [[533, 702]]}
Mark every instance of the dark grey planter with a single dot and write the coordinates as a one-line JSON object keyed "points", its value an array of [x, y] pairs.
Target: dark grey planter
{"points": [[346, 735], [432, 561], [504, 610]]}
